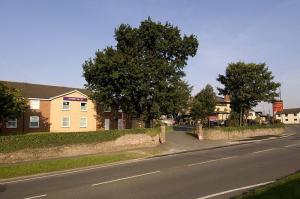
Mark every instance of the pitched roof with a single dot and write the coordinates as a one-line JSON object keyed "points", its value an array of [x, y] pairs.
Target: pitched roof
{"points": [[290, 111], [221, 100], [41, 91]]}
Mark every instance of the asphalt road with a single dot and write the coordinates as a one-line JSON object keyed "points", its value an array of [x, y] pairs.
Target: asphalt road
{"points": [[186, 175]]}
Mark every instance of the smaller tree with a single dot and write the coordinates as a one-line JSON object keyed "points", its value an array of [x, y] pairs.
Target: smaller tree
{"points": [[203, 105], [248, 84], [12, 103]]}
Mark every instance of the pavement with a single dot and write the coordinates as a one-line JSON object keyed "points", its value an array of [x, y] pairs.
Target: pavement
{"points": [[219, 172]]}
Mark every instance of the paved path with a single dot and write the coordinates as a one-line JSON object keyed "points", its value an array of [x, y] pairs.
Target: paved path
{"points": [[216, 173]]}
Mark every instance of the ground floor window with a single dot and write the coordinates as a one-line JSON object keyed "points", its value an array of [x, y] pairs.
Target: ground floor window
{"points": [[34, 122], [65, 122], [12, 123], [83, 122]]}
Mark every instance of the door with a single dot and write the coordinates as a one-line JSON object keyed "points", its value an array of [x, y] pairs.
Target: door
{"points": [[106, 124], [120, 124]]}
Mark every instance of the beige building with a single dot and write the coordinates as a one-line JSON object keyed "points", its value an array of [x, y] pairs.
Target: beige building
{"points": [[289, 116], [222, 110], [60, 109]]}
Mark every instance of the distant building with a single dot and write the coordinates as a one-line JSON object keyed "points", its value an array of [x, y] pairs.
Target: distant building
{"points": [[289, 116], [60, 109], [222, 110]]}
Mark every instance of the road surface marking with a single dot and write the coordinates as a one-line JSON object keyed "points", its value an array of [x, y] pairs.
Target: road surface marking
{"points": [[292, 145], [36, 196], [262, 151], [71, 172], [209, 161], [234, 190], [126, 178]]}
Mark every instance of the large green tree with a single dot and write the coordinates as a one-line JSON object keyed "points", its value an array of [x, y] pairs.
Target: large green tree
{"points": [[12, 103], [248, 84], [204, 104], [144, 71]]}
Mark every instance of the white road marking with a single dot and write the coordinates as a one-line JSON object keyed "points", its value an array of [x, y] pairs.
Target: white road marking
{"points": [[209, 161], [126, 178], [39, 196], [233, 190], [263, 151], [71, 172], [292, 145]]}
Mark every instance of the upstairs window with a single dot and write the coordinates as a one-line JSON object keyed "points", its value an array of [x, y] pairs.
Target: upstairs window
{"points": [[12, 123], [34, 104], [34, 122], [83, 106], [66, 105], [108, 109]]}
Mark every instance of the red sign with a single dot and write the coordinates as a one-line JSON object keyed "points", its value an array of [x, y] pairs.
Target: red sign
{"points": [[79, 99], [277, 106], [213, 118]]}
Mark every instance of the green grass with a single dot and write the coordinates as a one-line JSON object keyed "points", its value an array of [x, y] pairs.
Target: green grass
{"points": [[12, 143], [285, 188], [44, 166], [252, 127]]}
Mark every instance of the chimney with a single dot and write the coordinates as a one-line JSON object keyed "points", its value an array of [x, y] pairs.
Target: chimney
{"points": [[226, 98]]}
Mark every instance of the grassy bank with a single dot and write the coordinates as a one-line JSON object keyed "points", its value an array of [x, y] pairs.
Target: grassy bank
{"points": [[12, 143], [252, 127], [44, 166], [285, 188]]}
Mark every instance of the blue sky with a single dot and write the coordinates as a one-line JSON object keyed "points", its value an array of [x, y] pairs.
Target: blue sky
{"points": [[47, 41]]}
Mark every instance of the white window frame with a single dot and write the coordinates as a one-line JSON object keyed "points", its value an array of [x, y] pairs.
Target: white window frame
{"points": [[86, 124], [34, 127], [62, 106], [35, 106], [62, 122], [15, 121], [81, 106]]}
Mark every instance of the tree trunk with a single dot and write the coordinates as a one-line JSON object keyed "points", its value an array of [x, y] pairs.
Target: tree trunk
{"points": [[241, 117]]}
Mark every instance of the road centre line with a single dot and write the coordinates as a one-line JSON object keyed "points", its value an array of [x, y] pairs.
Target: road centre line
{"points": [[234, 190], [263, 151], [209, 161], [39, 196], [126, 178], [292, 145]]}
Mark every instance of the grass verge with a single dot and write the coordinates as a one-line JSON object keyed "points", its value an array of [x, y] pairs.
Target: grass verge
{"points": [[285, 188], [12, 143], [44, 166]]}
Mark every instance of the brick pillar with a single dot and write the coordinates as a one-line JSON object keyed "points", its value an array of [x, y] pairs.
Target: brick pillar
{"points": [[199, 131], [162, 134]]}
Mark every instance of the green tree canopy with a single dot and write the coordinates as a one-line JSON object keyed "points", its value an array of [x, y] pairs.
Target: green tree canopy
{"points": [[248, 84], [12, 103], [143, 72], [204, 104]]}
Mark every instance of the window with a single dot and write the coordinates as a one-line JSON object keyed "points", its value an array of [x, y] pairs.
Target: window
{"points": [[66, 105], [295, 120], [65, 122], [107, 109], [286, 115], [83, 106], [286, 120], [295, 114], [12, 123], [34, 104], [34, 122], [83, 122]]}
